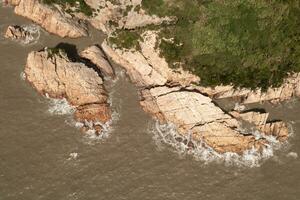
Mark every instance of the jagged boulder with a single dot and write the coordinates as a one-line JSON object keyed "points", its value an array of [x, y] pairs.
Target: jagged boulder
{"points": [[53, 73]]}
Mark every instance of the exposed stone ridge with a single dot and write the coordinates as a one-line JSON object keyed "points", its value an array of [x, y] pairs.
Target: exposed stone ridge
{"points": [[55, 75], [97, 57], [168, 97], [50, 18]]}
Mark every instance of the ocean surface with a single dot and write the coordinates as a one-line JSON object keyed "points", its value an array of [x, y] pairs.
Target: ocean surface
{"points": [[44, 156]]}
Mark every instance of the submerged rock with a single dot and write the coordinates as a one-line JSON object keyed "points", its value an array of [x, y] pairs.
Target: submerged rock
{"points": [[53, 74], [50, 18], [24, 34]]}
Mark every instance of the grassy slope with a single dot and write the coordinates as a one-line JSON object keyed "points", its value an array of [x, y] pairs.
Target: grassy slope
{"points": [[249, 43]]}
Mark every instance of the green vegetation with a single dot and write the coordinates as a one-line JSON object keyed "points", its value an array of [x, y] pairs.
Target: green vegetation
{"points": [[55, 51], [126, 39], [247, 43], [80, 5]]}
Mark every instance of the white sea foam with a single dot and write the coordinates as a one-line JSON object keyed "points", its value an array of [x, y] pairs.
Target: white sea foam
{"points": [[23, 76], [34, 35], [73, 156], [59, 106], [167, 134], [292, 155]]}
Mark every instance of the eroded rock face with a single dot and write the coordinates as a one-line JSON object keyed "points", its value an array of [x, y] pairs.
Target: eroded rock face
{"points": [[50, 18], [97, 57], [289, 89], [24, 34], [55, 75], [170, 97]]}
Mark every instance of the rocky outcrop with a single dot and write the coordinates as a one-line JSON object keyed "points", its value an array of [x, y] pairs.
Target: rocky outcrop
{"points": [[24, 34], [168, 95], [52, 73], [125, 14], [147, 68], [95, 55], [50, 18], [195, 114]]}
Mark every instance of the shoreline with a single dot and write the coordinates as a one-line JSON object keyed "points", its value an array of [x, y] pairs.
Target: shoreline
{"points": [[157, 81]]}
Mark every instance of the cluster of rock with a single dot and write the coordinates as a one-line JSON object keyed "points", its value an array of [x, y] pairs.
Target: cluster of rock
{"points": [[167, 95], [53, 74], [24, 34]]}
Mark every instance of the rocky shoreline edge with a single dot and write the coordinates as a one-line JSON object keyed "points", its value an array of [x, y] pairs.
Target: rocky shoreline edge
{"points": [[170, 96]]}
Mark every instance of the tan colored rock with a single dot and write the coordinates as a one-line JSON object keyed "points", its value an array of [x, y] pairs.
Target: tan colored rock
{"points": [[11, 2], [171, 97], [277, 129], [147, 68], [97, 57], [50, 19], [16, 32], [256, 118], [192, 112], [55, 75], [24, 34], [93, 113]]}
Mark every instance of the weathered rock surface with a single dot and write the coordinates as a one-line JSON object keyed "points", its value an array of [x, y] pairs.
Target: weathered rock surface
{"points": [[170, 97], [97, 57], [55, 75], [50, 18]]}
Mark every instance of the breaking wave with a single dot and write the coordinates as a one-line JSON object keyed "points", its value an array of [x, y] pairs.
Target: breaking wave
{"points": [[166, 134], [34, 33], [59, 106]]}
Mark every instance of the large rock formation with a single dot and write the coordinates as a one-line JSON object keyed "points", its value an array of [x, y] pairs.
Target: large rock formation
{"points": [[95, 55], [50, 18], [169, 97], [51, 72]]}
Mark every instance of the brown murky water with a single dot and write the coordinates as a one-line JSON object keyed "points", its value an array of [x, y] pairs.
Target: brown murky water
{"points": [[35, 148]]}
